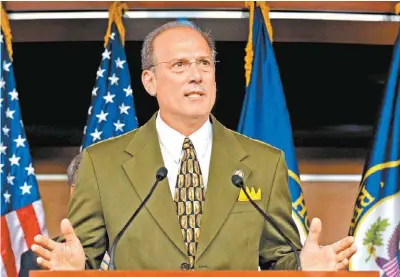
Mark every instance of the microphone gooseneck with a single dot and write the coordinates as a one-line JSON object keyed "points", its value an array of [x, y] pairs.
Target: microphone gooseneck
{"points": [[238, 182], [160, 175]]}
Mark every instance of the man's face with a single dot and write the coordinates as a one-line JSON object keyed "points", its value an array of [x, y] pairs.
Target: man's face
{"points": [[183, 79]]}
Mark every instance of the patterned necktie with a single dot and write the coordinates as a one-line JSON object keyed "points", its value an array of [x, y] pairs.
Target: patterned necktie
{"points": [[189, 198]]}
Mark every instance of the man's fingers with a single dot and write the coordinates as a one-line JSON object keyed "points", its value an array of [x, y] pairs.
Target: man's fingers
{"points": [[68, 231], [346, 254], [315, 231], [342, 265], [43, 263], [41, 252], [45, 242], [343, 244]]}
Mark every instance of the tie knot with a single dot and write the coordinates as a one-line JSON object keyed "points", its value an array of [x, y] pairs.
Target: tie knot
{"points": [[187, 144]]}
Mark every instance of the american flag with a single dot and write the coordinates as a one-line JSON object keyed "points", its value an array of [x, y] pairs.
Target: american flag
{"points": [[112, 111], [22, 214]]}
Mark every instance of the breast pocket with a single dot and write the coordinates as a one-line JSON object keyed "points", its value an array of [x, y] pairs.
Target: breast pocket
{"points": [[245, 206]]}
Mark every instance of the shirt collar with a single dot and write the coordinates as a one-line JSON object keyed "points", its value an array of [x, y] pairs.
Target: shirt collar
{"points": [[172, 140]]}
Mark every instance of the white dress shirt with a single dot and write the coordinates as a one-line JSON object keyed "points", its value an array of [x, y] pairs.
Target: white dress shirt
{"points": [[171, 142]]}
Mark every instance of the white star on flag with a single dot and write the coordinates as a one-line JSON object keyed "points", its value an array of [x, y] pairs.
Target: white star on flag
{"points": [[96, 135], [118, 126], [20, 141], [3, 149], [102, 116], [100, 73], [6, 66], [7, 197], [94, 91], [120, 63], [112, 36], [30, 169], [14, 160], [10, 179], [10, 113], [109, 97], [124, 109], [6, 130], [2, 83], [128, 91], [106, 54], [13, 94], [114, 79], [26, 189]]}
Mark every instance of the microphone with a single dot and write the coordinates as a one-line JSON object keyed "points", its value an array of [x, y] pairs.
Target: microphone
{"points": [[237, 181], [160, 175]]}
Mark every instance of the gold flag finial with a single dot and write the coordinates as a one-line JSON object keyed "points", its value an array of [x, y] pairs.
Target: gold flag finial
{"points": [[115, 14], [5, 27]]}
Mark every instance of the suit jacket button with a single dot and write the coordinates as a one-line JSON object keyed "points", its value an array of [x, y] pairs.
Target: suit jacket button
{"points": [[185, 266]]}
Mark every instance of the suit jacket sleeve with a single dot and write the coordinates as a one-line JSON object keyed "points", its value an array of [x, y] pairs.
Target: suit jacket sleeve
{"points": [[274, 251], [28, 262], [85, 213]]}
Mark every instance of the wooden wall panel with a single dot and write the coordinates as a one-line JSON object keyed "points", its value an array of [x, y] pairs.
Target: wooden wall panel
{"points": [[333, 203], [331, 166], [343, 6], [55, 198]]}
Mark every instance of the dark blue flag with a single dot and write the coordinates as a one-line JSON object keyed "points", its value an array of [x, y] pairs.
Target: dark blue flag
{"points": [[376, 218], [264, 114]]}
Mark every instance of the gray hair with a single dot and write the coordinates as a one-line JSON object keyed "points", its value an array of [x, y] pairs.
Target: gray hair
{"points": [[148, 56], [72, 171]]}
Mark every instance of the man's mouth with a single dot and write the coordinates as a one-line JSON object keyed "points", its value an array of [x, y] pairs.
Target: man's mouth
{"points": [[194, 94]]}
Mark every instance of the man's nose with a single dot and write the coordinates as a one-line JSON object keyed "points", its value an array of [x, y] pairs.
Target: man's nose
{"points": [[195, 73]]}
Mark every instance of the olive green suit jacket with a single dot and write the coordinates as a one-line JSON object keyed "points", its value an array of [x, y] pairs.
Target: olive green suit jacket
{"points": [[116, 175]]}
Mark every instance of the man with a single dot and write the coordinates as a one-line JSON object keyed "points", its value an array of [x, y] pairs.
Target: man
{"points": [[28, 258], [195, 219]]}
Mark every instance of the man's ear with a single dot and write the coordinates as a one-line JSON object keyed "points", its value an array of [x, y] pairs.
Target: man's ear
{"points": [[149, 82]]}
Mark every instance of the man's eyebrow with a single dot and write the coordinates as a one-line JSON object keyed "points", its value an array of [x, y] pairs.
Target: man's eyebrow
{"points": [[204, 57]]}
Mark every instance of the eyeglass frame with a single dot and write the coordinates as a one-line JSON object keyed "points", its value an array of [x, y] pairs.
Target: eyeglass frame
{"points": [[189, 63]]}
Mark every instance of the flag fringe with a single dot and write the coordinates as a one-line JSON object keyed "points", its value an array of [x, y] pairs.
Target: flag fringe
{"points": [[249, 47], [115, 12], [5, 27]]}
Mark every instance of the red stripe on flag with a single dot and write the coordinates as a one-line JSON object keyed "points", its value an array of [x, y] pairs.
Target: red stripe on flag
{"points": [[29, 223], [7, 253]]}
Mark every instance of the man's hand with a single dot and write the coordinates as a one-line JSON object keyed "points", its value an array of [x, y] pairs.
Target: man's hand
{"points": [[325, 258], [60, 256]]}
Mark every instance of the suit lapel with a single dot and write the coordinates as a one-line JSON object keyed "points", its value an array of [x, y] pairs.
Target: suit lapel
{"points": [[141, 170], [226, 157]]}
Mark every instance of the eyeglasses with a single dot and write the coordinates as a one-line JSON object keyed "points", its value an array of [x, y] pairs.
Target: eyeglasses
{"points": [[181, 65]]}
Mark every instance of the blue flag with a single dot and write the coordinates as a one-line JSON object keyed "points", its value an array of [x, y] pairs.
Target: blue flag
{"points": [[112, 111], [376, 218], [264, 114], [22, 214]]}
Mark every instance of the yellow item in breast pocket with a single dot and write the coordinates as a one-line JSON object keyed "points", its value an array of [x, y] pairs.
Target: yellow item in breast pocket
{"points": [[252, 193]]}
